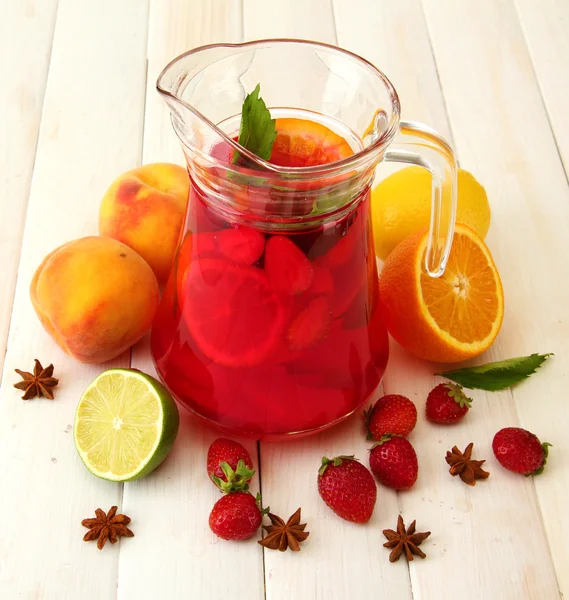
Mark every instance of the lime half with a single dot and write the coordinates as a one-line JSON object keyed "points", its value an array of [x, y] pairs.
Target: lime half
{"points": [[125, 425]]}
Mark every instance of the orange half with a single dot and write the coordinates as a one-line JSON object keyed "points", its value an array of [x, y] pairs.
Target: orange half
{"points": [[304, 143], [449, 319]]}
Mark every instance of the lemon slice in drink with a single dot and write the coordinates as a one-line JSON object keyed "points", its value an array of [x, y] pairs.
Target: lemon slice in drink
{"points": [[125, 425]]}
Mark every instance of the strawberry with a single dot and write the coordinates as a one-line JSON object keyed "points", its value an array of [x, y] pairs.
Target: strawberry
{"points": [[241, 245], [311, 325], [348, 488], [392, 414], [519, 450], [394, 462], [447, 403], [235, 516], [229, 465], [287, 267]]}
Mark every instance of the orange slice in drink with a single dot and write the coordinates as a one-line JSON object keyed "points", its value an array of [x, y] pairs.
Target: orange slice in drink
{"points": [[449, 319], [304, 143]]}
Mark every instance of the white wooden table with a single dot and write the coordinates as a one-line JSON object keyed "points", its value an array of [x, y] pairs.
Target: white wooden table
{"points": [[79, 106]]}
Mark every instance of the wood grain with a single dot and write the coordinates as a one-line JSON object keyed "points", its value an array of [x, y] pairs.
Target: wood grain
{"points": [[90, 131], [289, 470], [546, 36], [26, 28], [490, 89], [458, 517], [493, 81], [175, 27], [173, 504]]}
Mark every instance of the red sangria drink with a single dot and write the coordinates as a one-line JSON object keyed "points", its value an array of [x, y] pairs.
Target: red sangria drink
{"points": [[267, 328], [270, 324]]}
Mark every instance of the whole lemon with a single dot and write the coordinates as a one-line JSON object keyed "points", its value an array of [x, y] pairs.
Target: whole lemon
{"points": [[401, 206]]}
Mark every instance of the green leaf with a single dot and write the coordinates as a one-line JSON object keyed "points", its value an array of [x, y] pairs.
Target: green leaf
{"points": [[257, 131], [497, 375], [237, 481]]}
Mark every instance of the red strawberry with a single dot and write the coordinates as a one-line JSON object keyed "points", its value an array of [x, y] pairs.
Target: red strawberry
{"points": [[348, 488], [311, 325], [519, 450], [394, 462], [447, 403], [229, 465], [241, 245], [235, 516], [287, 267], [392, 414]]}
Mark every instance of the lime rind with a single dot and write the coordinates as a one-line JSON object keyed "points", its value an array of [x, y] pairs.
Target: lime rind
{"points": [[122, 394]]}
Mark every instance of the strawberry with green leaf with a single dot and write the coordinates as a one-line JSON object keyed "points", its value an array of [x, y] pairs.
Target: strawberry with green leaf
{"points": [[229, 465], [447, 403], [236, 516], [519, 450], [348, 488]]}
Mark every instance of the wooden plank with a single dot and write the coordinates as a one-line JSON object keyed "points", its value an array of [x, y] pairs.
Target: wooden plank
{"points": [[90, 130], [312, 20], [175, 27], [394, 36], [490, 90], [174, 502], [339, 559], [545, 28], [27, 29]]}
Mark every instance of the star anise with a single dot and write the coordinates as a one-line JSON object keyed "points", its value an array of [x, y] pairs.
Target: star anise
{"points": [[461, 464], [105, 527], [283, 535], [38, 383], [404, 540]]}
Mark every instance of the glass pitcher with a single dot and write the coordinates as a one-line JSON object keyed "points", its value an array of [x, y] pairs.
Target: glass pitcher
{"points": [[270, 323]]}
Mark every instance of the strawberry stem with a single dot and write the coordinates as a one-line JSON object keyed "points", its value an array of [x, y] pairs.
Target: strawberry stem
{"points": [[264, 511], [457, 394], [237, 480], [384, 439], [545, 447], [336, 462]]}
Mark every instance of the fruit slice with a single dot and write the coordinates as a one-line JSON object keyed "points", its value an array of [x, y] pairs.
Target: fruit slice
{"points": [[125, 425], [449, 319], [304, 143], [287, 267], [192, 247], [232, 312], [241, 245], [311, 325]]}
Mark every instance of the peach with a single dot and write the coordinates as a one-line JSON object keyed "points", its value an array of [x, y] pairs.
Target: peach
{"points": [[144, 208], [95, 296]]}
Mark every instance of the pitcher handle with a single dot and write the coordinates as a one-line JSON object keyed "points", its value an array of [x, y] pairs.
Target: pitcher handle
{"points": [[418, 144]]}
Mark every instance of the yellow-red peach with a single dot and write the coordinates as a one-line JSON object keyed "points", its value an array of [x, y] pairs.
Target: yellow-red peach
{"points": [[96, 297], [144, 208]]}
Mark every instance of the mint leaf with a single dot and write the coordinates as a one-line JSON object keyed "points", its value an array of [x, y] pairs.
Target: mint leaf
{"points": [[257, 131], [497, 375]]}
